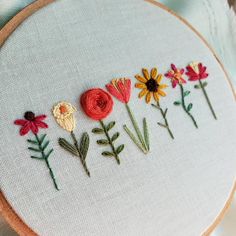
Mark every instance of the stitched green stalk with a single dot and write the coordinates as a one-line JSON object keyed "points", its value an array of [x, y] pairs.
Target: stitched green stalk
{"points": [[207, 99], [164, 115], [184, 106], [45, 158], [82, 158], [110, 142], [137, 130]]}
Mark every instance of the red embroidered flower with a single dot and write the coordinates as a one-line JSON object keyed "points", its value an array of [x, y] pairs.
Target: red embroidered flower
{"points": [[120, 88], [96, 103], [31, 122], [176, 75], [196, 71]]}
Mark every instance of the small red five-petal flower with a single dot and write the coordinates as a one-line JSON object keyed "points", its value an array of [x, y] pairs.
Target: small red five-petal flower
{"points": [[31, 122], [196, 71]]}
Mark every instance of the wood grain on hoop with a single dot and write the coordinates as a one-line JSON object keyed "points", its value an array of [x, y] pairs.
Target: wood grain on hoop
{"points": [[5, 209]]}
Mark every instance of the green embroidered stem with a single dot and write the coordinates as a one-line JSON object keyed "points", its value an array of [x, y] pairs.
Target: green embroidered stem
{"points": [[164, 114], [110, 142], [82, 158], [137, 130], [45, 158], [207, 98], [185, 108]]}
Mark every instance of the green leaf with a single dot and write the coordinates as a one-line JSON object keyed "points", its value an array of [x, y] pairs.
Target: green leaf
{"points": [[115, 136], [32, 141], [177, 103], [67, 146], [186, 93], [34, 149], [189, 107], [42, 138], [102, 142], [97, 131], [120, 149], [204, 84], [165, 112], [49, 153], [107, 154], [162, 125], [39, 158], [145, 132], [84, 144], [110, 125], [196, 86], [45, 145]]}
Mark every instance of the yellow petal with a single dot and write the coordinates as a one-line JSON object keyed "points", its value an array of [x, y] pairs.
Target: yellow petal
{"points": [[146, 74], [156, 96], [140, 78], [153, 73], [159, 78], [148, 97], [141, 86], [163, 86], [162, 93], [68, 123], [142, 93]]}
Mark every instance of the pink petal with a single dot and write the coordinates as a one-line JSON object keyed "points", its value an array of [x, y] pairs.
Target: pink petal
{"points": [[20, 122], [174, 83], [25, 129], [40, 117], [173, 67], [41, 124], [182, 70], [34, 128]]}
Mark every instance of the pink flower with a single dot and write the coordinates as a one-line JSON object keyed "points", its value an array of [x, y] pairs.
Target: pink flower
{"points": [[196, 71], [176, 75], [120, 88], [31, 122]]}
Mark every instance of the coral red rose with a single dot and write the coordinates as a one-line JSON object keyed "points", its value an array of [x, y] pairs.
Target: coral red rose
{"points": [[96, 103]]}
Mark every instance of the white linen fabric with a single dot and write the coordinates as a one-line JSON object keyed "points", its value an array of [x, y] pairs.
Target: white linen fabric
{"points": [[71, 46]]}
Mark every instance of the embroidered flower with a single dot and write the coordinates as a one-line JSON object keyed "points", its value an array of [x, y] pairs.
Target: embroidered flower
{"points": [[31, 122], [150, 85], [39, 144], [96, 103], [64, 115], [176, 75], [196, 71], [120, 88]]}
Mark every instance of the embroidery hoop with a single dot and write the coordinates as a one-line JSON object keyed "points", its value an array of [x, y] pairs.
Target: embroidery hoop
{"points": [[20, 227]]}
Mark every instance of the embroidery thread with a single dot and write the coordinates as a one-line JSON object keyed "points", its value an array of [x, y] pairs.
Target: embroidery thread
{"points": [[197, 72], [63, 112], [39, 144], [176, 76], [98, 104], [151, 87], [121, 89]]}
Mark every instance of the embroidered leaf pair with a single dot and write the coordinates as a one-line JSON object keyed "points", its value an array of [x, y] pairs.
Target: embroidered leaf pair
{"points": [[38, 145], [121, 89]]}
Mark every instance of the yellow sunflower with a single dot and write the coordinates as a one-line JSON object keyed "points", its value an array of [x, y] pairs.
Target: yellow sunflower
{"points": [[150, 85]]}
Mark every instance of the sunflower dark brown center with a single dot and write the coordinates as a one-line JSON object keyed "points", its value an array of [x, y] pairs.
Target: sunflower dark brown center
{"points": [[29, 115], [152, 85]]}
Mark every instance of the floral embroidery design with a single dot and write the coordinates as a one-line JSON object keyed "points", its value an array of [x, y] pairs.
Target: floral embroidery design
{"points": [[197, 72], [64, 115], [151, 87], [98, 104], [176, 76], [39, 144], [121, 89]]}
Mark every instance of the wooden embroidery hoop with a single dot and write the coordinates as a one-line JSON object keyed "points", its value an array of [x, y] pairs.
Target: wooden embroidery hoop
{"points": [[5, 208]]}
